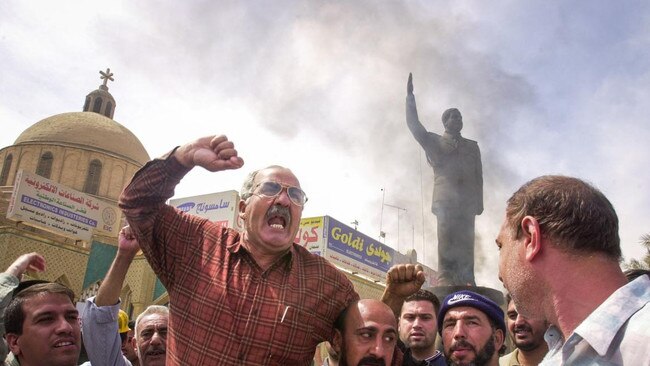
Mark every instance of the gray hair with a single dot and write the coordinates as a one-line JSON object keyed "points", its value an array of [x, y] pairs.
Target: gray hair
{"points": [[151, 310], [247, 188]]}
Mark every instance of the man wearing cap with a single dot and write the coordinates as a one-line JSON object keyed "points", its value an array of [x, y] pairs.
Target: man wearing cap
{"points": [[104, 325], [472, 329]]}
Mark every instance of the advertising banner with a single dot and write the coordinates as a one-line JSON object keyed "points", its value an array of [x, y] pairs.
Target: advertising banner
{"points": [[310, 234], [220, 207], [357, 252], [55, 207]]}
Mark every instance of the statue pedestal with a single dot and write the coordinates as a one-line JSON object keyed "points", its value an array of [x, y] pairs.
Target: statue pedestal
{"points": [[442, 291]]}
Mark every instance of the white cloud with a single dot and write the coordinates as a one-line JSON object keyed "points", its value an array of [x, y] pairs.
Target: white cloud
{"points": [[319, 86]]}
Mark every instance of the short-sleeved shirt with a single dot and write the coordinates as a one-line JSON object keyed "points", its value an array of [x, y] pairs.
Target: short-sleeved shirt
{"points": [[224, 308]]}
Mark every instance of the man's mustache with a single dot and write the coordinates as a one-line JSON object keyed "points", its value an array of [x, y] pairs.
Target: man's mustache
{"points": [[279, 210], [371, 361]]}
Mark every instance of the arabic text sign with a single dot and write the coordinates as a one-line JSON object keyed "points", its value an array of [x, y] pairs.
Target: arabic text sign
{"points": [[310, 234], [357, 252], [52, 206], [218, 207]]}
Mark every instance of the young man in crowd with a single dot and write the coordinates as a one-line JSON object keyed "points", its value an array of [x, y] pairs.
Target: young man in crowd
{"points": [[418, 330], [528, 337], [559, 260], [42, 325], [9, 282], [472, 329]]}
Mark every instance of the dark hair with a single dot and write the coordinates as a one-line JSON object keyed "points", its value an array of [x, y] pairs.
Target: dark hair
{"points": [[25, 284], [576, 215], [14, 314], [633, 274], [508, 298], [495, 327], [424, 295]]}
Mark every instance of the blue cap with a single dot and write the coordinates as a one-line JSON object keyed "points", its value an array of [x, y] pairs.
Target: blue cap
{"points": [[474, 300]]}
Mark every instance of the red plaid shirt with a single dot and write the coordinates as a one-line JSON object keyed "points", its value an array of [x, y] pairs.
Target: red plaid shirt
{"points": [[224, 309]]}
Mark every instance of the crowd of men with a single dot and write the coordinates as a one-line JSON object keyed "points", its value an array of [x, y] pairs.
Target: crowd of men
{"points": [[256, 298]]}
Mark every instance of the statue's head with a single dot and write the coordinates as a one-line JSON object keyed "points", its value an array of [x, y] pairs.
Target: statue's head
{"points": [[452, 120]]}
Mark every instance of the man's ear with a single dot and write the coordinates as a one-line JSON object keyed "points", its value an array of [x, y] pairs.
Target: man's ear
{"points": [[532, 237], [12, 343], [242, 210], [499, 339], [134, 344], [337, 341]]}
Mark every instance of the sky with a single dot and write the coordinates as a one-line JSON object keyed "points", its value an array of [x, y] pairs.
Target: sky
{"points": [[545, 87]]}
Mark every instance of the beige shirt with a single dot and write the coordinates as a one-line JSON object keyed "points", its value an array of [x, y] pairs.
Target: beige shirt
{"points": [[510, 359]]}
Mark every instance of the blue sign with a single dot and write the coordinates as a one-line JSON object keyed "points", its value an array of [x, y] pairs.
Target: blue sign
{"points": [[352, 244]]}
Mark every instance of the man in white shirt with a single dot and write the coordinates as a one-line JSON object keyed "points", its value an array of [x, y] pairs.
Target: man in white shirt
{"points": [[559, 259]]}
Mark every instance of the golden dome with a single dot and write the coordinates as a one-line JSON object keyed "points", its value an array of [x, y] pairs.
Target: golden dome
{"points": [[87, 130]]}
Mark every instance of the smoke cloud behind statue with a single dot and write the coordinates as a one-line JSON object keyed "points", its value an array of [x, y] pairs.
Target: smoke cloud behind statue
{"points": [[457, 190]]}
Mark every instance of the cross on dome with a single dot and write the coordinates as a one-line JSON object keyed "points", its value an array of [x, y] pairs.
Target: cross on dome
{"points": [[106, 76]]}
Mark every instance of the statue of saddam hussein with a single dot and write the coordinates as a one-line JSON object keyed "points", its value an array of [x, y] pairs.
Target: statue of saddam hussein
{"points": [[457, 190]]}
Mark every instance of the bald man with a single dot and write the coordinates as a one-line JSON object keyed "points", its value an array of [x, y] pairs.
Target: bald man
{"points": [[366, 334]]}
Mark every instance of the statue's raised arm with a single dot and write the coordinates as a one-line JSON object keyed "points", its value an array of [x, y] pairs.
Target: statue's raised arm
{"points": [[412, 120]]}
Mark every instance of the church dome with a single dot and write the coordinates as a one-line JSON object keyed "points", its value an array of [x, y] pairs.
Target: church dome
{"points": [[87, 130]]}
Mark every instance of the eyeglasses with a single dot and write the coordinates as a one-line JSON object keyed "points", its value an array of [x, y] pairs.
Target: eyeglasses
{"points": [[272, 189]]}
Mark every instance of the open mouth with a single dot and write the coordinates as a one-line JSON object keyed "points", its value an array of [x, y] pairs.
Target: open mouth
{"points": [[63, 344], [156, 352], [522, 332], [277, 222], [278, 217]]}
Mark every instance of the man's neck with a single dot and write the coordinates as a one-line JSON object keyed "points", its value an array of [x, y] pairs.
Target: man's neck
{"points": [[263, 259], [573, 297], [532, 357], [420, 354]]}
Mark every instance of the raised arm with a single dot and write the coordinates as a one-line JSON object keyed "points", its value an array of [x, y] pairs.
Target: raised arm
{"points": [[402, 281], [412, 120], [9, 280], [111, 287], [100, 329], [213, 153], [164, 234], [26, 262]]}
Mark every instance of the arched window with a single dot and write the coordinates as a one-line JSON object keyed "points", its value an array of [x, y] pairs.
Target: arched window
{"points": [[94, 177], [109, 107], [87, 104], [5, 170], [97, 105], [44, 168]]}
